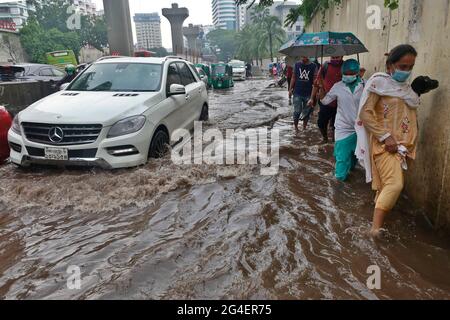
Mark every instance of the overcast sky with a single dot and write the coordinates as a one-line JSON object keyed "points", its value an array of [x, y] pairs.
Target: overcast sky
{"points": [[199, 13]]}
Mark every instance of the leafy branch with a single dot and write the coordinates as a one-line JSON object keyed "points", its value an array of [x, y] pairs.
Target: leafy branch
{"points": [[309, 8]]}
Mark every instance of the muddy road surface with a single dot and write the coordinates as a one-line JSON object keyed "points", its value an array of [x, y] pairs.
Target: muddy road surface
{"points": [[164, 231]]}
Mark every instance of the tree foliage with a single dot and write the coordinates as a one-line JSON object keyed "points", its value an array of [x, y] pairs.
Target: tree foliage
{"points": [[94, 32], [260, 39], [272, 35], [37, 41], [308, 8], [46, 30], [224, 40], [249, 47]]}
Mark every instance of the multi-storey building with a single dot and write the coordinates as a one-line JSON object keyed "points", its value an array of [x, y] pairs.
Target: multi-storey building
{"points": [[148, 30], [14, 14], [280, 9], [87, 7], [225, 14], [241, 16]]}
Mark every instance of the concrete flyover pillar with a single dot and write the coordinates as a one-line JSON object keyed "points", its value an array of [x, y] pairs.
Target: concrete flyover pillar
{"points": [[176, 17], [191, 33], [120, 35]]}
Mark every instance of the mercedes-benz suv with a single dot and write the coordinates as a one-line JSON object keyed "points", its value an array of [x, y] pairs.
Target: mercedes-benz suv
{"points": [[117, 113]]}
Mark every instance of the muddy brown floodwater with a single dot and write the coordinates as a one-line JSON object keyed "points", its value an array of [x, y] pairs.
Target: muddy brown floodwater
{"points": [[163, 231]]}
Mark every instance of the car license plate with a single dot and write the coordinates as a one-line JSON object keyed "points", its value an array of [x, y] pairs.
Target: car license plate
{"points": [[59, 154]]}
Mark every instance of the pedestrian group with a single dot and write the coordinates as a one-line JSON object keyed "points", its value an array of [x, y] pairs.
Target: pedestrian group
{"points": [[374, 122]]}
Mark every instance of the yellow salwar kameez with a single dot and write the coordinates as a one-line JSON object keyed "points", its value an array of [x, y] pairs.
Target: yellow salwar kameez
{"points": [[385, 116]]}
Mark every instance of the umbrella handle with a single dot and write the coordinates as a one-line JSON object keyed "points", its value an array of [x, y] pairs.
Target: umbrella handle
{"points": [[322, 56]]}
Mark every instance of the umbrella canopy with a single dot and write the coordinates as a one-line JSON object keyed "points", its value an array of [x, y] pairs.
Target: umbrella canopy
{"points": [[324, 44]]}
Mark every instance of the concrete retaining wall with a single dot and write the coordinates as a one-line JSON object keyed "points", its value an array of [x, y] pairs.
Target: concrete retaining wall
{"points": [[426, 25], [11, 48], [18, 95]]}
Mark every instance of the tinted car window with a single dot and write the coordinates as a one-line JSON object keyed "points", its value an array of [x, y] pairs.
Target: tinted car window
{"points": [[58, 73], [173, 76], [186, 75], [46, 72]]}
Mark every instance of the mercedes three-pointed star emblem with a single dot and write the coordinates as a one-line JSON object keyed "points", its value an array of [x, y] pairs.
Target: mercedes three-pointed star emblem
{"points": [[56, 135]]}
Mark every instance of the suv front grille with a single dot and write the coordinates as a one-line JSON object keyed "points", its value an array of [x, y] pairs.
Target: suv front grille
{"points": [[73, 134]]}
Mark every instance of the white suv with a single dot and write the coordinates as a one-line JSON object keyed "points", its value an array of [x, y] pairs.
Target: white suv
{"points": [[116, 114]]}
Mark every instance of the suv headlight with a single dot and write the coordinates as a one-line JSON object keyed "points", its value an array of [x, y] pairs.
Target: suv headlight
{"points": [[127, 126], [15, 127]]}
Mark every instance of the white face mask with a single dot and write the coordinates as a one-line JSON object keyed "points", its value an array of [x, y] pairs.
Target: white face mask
{"points": [[349, 79], [401, 76]]}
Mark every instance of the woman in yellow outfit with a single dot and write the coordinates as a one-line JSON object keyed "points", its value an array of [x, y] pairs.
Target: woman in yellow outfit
{"points": [[387, 130]]}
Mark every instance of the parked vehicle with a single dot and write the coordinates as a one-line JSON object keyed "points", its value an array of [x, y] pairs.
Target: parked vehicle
{"points": [[222, 76], [61, 58], [5, 124], [203, 76], [207, 70], [239, 70], [10, 73], [144, 53], [116, 114], [40, 72]]}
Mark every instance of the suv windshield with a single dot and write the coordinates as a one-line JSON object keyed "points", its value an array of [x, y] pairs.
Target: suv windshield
{"points": [[220, 69], [236, 65], [119, 77]]}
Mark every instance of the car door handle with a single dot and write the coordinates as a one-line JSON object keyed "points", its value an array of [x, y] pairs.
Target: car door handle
{"points": [[188, 97]]}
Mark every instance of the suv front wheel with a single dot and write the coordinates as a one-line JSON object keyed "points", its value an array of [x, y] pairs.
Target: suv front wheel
{"points": [[159, 144], [204, 116]]}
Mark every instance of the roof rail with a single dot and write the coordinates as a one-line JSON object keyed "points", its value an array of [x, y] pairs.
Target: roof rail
{"points": [[109, 57], [173, 57]]}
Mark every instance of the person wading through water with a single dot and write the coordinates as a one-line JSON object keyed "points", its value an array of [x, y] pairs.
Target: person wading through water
{"points": [[387, 130], [329, 74], [301, 88], [348, 94]]}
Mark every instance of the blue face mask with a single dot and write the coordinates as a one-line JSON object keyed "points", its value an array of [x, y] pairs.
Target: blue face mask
{"points": [[349, 79], [401, 76]]}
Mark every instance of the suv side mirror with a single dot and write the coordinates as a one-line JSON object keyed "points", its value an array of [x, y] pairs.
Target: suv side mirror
{"points": [[176, 89]]}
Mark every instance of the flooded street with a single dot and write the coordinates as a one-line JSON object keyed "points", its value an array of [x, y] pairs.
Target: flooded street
{"points": [[164, 231]]}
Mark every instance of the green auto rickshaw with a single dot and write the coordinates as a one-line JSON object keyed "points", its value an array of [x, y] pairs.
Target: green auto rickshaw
{"points": [[222, 76], [207, 70]]}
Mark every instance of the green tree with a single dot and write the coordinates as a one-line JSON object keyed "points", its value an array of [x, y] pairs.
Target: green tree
{"points": [[259, 13], [249, 44], [308, 8], [37, 41], [47, 30], [94, 32], [272, 34], [52, 14], [225, 41]]}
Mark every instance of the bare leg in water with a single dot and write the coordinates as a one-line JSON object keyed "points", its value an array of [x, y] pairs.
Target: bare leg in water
{"points": [[378, 221]]}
